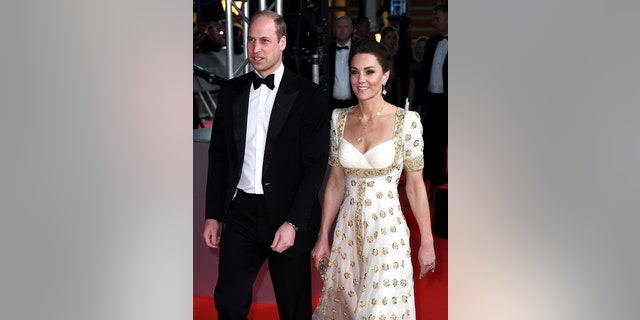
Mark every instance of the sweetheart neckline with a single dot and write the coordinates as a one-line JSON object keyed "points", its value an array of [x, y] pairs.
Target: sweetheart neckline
{"points": [[365, 153]]}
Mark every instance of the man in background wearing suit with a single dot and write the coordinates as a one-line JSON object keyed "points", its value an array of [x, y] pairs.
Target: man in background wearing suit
{"points": [[431, 99], [267, 159], [341, 94]]}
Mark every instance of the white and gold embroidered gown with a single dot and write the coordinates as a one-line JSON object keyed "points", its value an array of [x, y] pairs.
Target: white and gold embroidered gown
{"points": [[370, 275]]}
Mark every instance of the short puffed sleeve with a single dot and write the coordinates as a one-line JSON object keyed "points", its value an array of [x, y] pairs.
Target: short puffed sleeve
{"points": [[337, 127], [413, 145]]}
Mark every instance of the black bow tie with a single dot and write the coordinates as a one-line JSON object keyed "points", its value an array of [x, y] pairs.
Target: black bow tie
{"points": [[268, 81], [340, 48]]}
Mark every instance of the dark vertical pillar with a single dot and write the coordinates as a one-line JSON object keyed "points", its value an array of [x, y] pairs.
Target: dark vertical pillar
{"points": [[362, 8]]}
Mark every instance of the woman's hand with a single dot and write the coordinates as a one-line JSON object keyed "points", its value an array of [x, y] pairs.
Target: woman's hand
{"points": [[320, 250], [427, 259]]}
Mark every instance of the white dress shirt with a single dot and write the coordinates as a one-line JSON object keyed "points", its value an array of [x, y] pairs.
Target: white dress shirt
{"points": [[436, 83], [260, 106], [341, 84]]}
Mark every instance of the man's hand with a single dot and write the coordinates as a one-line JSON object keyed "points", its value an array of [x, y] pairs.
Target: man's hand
{"points": [[284, 238], [211, 233]]}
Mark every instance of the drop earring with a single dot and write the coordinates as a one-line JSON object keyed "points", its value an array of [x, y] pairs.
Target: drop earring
{"points": [[384, 89]]}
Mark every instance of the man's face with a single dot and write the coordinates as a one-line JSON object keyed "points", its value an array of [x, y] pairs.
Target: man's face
{"points": [[440, 22], [263, 46], [343, 30]]}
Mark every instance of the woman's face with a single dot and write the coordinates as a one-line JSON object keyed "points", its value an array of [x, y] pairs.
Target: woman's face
{"points": [[367, 76], [418, 50], [390, 40]]}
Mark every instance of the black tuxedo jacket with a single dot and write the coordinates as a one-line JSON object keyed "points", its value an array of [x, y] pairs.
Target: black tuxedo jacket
{"points": [[295, 157], [420, 93], [332, 72]]}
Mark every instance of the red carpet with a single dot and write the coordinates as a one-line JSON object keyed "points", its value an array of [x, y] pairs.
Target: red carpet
{"points": [[431, 293]]}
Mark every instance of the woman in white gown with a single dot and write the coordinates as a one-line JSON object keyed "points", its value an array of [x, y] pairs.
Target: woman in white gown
{"points": [[369, 273]]}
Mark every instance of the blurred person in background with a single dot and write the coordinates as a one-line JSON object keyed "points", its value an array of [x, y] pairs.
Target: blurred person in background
{"points": [[210, 39], [414, 72], [362, 29], [398, 86], [341, 94], [238, 46], [431, 99]]}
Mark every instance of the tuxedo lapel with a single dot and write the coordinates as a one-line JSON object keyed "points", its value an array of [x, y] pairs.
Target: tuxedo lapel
{"points": [[240, 112], [331, 70], [287, 93]]}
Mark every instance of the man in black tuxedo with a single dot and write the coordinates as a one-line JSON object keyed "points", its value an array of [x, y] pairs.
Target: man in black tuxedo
{"points": [[341, 95], [267, 159], [431, 99]]}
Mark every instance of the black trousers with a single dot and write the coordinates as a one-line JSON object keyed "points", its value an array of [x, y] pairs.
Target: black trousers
{"points": [[436, 139], [245, 245]]}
